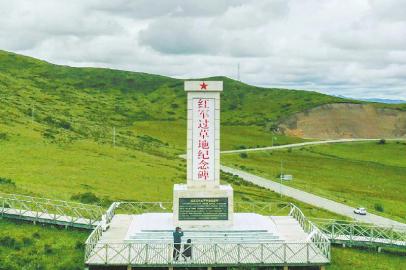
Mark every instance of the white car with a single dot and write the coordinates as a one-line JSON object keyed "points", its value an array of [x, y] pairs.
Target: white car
{"points": [[360, 211]]}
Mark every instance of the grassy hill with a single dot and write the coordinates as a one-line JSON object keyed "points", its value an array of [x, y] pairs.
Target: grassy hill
{"points": [[56, 141], [74, 103]]}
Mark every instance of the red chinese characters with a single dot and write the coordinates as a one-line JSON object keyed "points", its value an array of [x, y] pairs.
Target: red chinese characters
{"points": [[203, 150]]}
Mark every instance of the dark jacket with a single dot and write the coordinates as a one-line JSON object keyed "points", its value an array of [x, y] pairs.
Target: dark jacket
{"points": [[177, 237], [187, 250]]}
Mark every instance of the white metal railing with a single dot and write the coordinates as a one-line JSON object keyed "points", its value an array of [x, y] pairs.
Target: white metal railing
{"points": [[359, 233], [49, 210], [155, 254], [318, 237], [93, 240]]}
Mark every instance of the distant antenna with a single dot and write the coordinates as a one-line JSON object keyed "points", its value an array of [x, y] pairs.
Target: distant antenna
{"points": [[238, 71]]}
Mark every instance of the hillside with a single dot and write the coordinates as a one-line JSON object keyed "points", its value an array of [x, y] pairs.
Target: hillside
{"points": [[346, 121], [69, 103]]}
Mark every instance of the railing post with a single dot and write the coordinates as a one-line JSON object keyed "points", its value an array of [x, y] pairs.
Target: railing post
{"points": [[351, 232], [262, 252], [129, 253], [146, 253], [215, 253], [238, 253], [307, 252], [170, 253], [106, 247], [391, 235], [284, 252]]}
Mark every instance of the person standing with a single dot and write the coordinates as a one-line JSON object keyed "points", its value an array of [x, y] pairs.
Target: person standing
{"points": [[187, 250], [177, 240]]}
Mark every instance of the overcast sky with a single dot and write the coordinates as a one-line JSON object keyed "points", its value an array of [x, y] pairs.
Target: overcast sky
{"points": [[355, 48]]}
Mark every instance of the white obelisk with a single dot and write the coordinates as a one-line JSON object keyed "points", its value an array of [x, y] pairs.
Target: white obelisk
{"points": [[203, 202]]}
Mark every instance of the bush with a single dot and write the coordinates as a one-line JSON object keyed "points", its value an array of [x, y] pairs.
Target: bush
{"points": [[87, 197], [48, 249], [79, 245], [382, 141], [7, 181], [243, 155], [379, 207], [10, 242], [3, 136], [27, 241]]}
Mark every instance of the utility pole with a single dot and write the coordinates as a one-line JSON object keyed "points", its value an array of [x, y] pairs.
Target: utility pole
{"points": [[281, 175], [114, 136], [32, 113], [238, 72]]}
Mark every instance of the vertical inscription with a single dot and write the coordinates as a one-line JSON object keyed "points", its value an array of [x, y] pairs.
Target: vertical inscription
{"points": [[203, 139]]}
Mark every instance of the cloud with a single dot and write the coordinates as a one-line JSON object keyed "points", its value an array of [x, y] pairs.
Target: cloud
{"points": [[341, 47]]}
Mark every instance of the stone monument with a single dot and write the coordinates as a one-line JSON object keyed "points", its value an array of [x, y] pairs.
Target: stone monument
{"points": [[203, 202]]}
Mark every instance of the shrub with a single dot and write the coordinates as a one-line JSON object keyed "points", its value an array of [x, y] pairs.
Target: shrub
{"points": [[48, 249], [3, 136], [27, 241], [10, 242], [64, 124], [243, 155], [382, 141], [79, 245], [149, 139], [7, 181], [378, 207], [87, 197], [36, 235]]}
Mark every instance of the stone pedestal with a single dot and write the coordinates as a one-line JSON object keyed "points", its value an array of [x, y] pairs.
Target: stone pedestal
{"points": [[208, 208]]}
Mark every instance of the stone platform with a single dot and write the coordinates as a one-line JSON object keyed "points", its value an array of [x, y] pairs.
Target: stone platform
{"points": [[145, 240], [247, 227]]}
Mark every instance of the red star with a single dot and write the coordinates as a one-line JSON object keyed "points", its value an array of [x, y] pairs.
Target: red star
{"points": [[203, 86]]}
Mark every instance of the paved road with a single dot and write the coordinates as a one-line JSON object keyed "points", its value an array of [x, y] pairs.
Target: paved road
{"points": [[304, 144], [312, 199]]}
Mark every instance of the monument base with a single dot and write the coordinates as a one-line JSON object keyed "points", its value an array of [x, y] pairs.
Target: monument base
{"points": [[207, 208]]}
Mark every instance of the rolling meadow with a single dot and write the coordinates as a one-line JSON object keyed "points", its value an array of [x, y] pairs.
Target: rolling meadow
{"points": [[56, 141]]}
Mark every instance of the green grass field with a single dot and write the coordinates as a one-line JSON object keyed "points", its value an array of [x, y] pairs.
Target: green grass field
{"points": [[351, 258], [56, 141], [27, 246], [359, 174], [39, 168]]}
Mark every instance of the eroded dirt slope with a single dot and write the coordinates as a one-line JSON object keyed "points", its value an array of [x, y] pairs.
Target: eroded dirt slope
{"points": [[346, 120]]}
